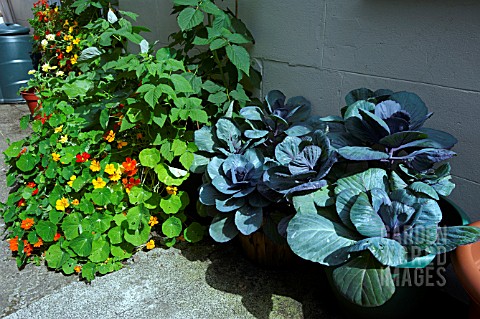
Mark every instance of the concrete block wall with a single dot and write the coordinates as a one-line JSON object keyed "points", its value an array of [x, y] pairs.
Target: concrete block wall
{"points": [[322, 49]]}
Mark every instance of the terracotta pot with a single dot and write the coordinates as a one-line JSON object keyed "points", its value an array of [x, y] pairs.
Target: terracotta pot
{"points": [[32, 101], [466, 263]]}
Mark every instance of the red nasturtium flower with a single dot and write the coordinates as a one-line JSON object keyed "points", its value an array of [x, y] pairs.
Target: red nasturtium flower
{"points": [[27, 223], [130, 166], [129, 183], [14, 243], [57, 237], [21, 202], [82, 158], [35, 192], [31, 185], [27, 247]]}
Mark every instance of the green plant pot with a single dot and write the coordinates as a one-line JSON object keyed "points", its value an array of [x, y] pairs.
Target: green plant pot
{"points": [[411, 295]]}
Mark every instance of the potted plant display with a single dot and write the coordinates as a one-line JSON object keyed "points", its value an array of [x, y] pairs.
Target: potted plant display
{"points": [[384, 210], [253, 165]]}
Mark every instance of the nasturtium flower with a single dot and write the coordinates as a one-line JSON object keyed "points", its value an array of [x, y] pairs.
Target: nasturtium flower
{"points": [[21, 202], [44, 43], [121, 144], [70, 30], [82, 158], [55, 157], [153, 221], [27, 247], [57, 237], [116, 176], [67, 37], [60, 73], [95, 166], [62, 203], [30, 72], [75, 202], [74, 59], [130, 166], [31, 184], [129, 183], [50, 37], [110, 169], [139, 136], [72, 179], [110, 136], [27, 223], [59, 129], [77, 269], [13, 242], [99, 183], [69, 48], [76, 41], [35, 192], [172, 190], [63, 139], [38, 243], [150, 244]]}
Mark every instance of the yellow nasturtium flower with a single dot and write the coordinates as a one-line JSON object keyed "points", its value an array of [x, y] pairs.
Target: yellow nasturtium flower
{"points": [[76, 41], [72, 178], [95, 166], [63, 139], [116, 176], [59, 129], [153, 221], [99, 183], [172, 190], [62, 203], [69, 48], [150, 244], [110, 169], [55, 157]]}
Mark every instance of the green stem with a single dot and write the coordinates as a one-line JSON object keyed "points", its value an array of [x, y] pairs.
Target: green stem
{"points": [[217, 60]]}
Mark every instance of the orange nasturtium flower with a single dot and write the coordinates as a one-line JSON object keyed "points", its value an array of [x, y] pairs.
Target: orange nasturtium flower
{"points": [[121, 144], [27, 247], [77, 269], [110, 136], [99, 183], [150, 244], [14, 243], [172, 190], [27, 223], [31, 185], [55, 157], [95, 166], [62, 203], [75, 202], [153, 221], [72, 179], [130, 166], [57, 237], [38, 243]]}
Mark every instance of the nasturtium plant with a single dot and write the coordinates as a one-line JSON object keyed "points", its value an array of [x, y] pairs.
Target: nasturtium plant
{"points": [[103, 173]]}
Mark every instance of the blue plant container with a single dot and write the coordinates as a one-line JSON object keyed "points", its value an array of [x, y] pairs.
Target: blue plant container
{"points": [[15, 61]]}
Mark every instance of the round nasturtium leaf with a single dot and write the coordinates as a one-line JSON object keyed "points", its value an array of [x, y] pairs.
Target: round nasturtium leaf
{"points": [[172, 227], [149, 157], [46, 230], [194, 233]]}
